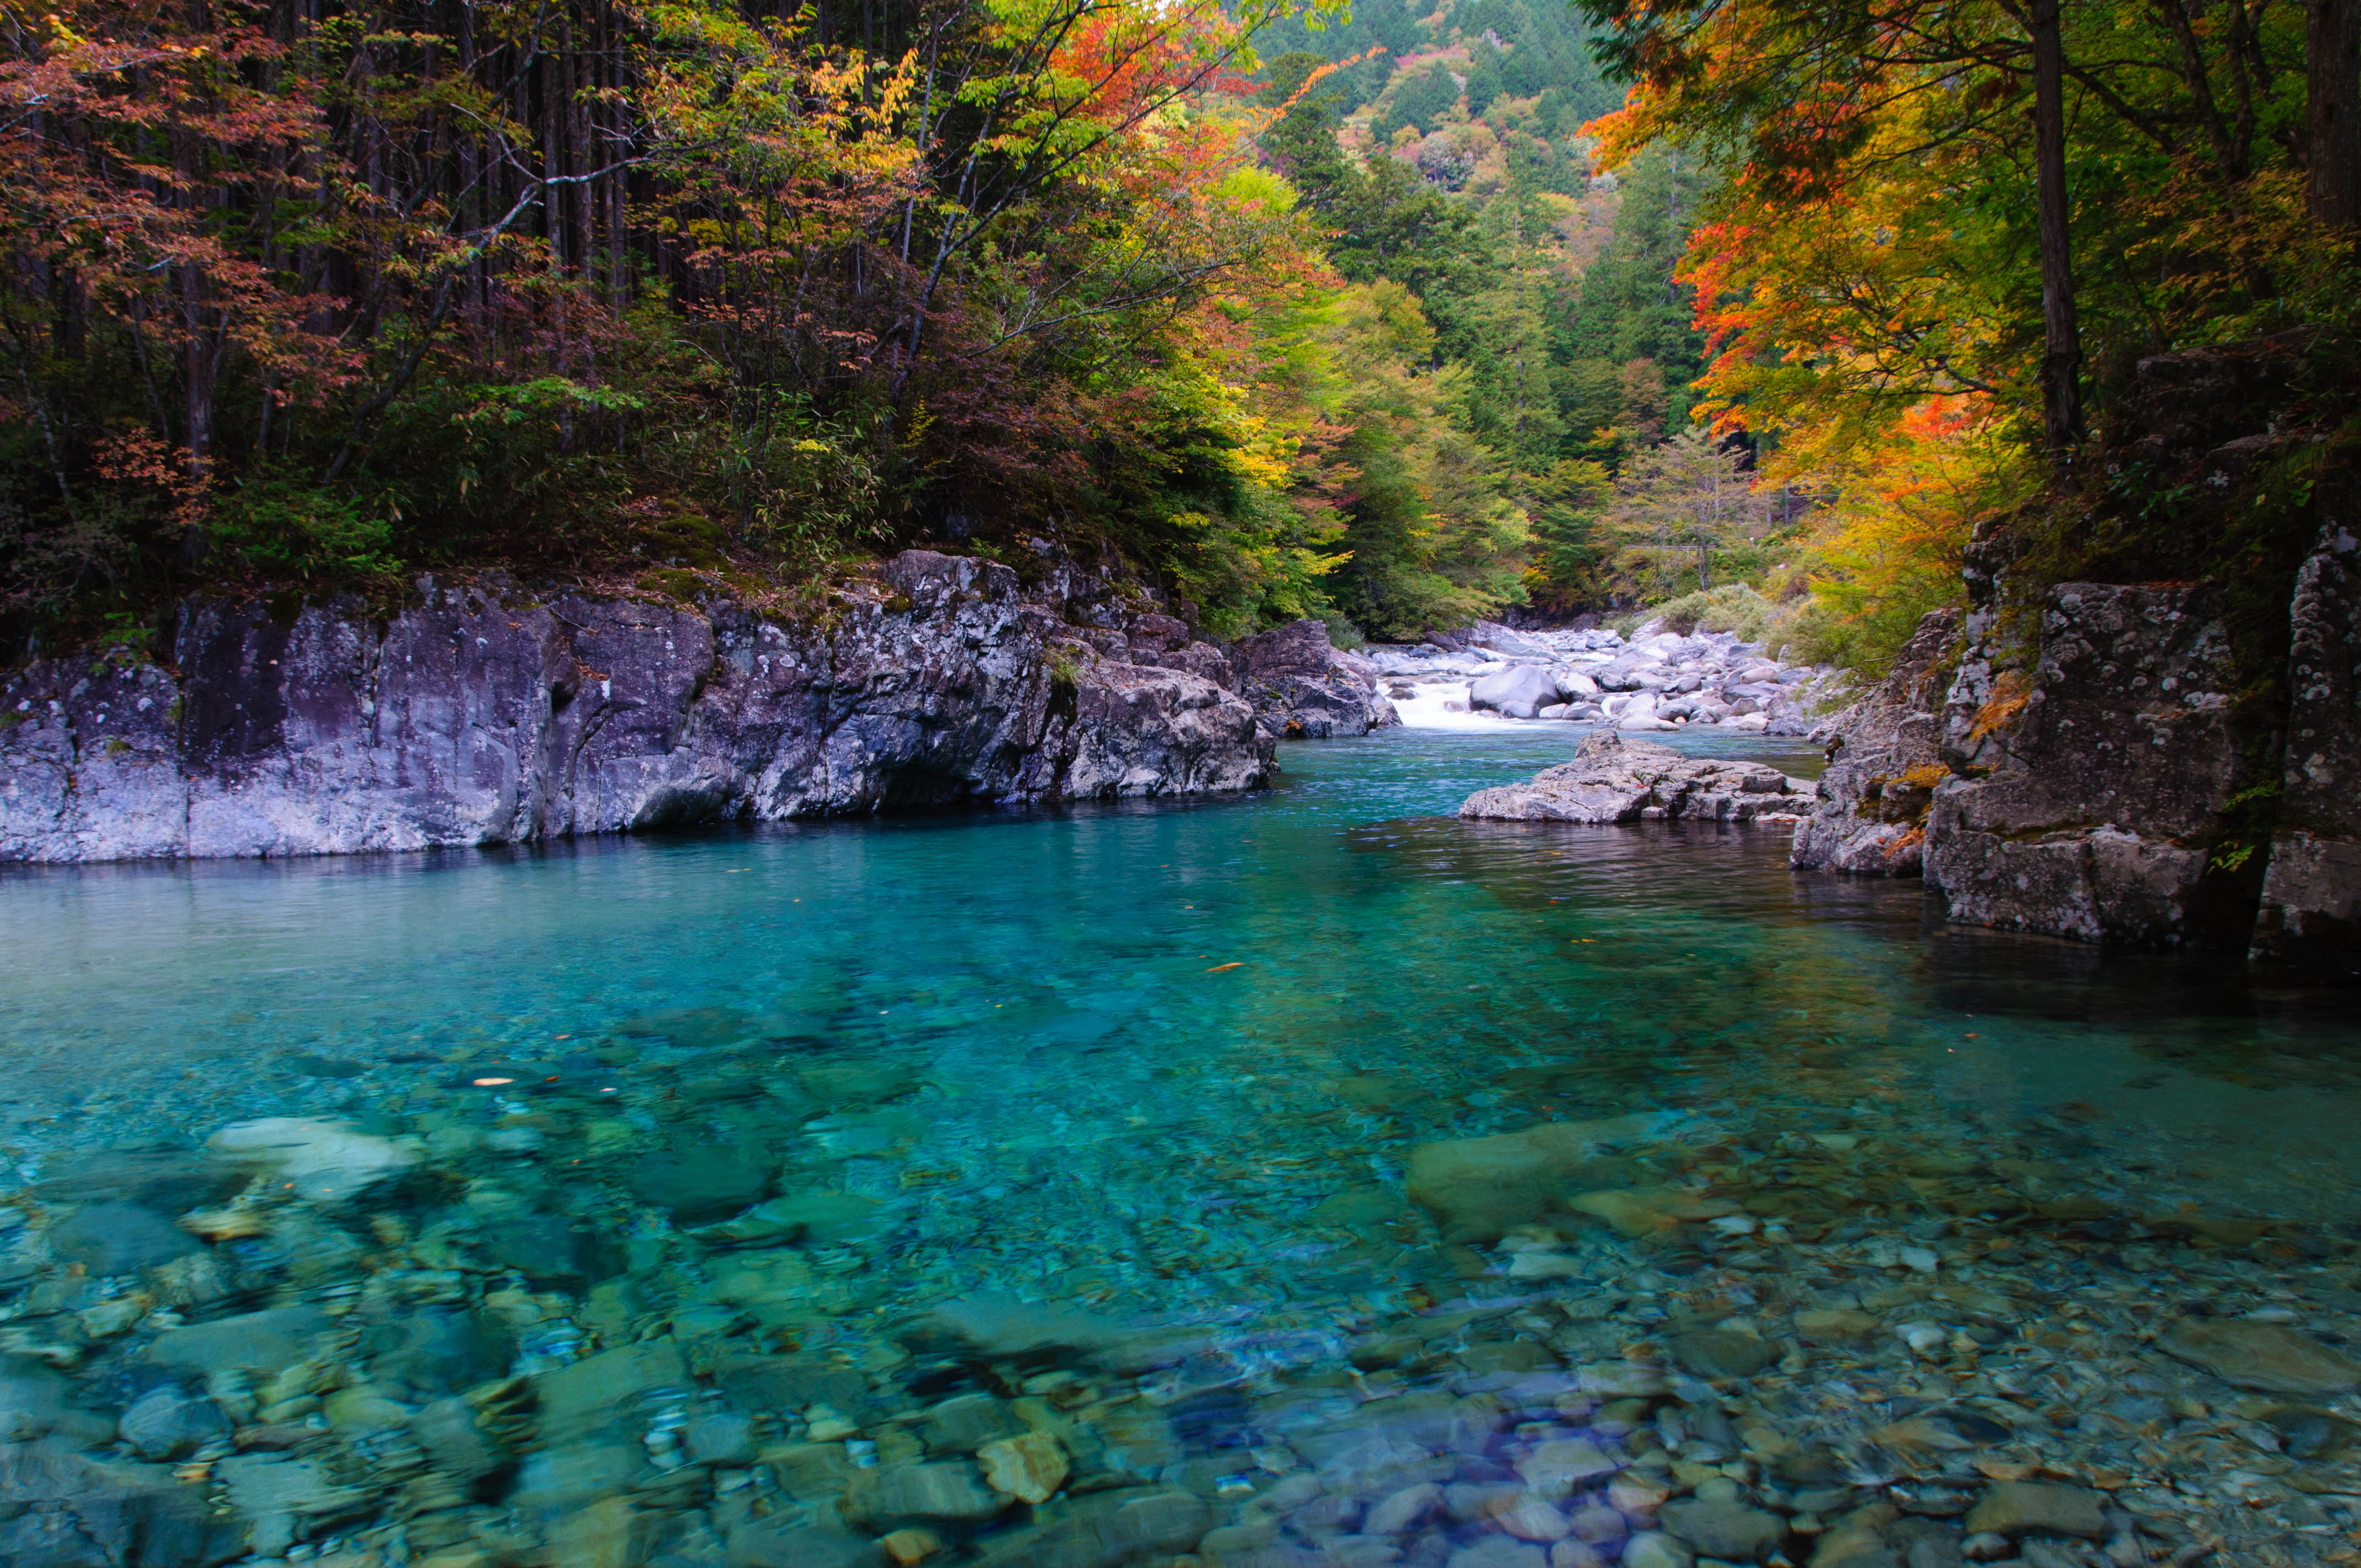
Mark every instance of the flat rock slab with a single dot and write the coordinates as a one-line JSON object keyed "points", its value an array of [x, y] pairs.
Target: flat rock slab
{"points": [[2269, 1357], [1613, 779]]}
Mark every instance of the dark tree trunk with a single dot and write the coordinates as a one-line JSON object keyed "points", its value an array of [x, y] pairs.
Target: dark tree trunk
{"points": [[2061, 358], [2332, 48]]}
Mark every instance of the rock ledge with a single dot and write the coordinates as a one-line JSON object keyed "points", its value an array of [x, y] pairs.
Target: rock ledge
{"points": [[1615, 780]]}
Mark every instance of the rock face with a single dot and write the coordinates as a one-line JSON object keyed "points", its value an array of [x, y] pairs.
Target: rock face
{"points": [[2093, 796], [1304, 688], [2312, 890], [1873, 799], [1615, 780], [477, 718], [2092, 822]]}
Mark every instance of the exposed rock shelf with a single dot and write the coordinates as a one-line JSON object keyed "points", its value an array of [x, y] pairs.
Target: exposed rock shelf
{"points": [[1615, 780], [478, 718]]}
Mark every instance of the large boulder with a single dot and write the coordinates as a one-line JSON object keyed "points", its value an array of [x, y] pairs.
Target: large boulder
{"points": [[1304, 687], [1615, 780], [1520, 691]]}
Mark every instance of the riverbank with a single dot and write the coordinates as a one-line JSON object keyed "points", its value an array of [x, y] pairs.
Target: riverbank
{"points": [[484, 715]]}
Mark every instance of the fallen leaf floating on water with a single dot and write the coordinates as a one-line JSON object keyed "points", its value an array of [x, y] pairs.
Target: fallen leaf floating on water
{"points": [[1219, 968]]}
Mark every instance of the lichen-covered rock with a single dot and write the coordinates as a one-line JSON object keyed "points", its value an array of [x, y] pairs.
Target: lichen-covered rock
{"points": [[1871, 814], [1305, 688], [2312, 889], [1615, 780], [2112, 769], [476, 718]]}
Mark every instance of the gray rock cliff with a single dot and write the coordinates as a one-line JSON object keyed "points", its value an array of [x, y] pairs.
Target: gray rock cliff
{"points": [[1870, 812], [1307, 689], [480, 716]]}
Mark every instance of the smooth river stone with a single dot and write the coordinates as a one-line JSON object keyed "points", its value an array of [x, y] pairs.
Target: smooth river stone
{"points": [[119, 1238], [699, 1184], [1478, 1188], [2022, 1508], [2269, 1357]]}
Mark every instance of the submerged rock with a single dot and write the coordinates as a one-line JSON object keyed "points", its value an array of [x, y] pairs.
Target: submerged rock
{"points": [[319, 1159], [1478, 1188], [2269, 1357]]}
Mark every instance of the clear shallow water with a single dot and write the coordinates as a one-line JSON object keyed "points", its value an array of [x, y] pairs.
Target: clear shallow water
{"points": [[1169, 1065]]}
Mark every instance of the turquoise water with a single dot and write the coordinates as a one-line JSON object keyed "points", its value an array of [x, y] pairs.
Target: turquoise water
{"points": [[1129, 999], [1165, 1064]]}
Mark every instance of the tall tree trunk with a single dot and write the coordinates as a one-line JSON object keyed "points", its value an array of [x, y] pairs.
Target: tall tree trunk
{"points": [[2061, 358], [2331, 50]]}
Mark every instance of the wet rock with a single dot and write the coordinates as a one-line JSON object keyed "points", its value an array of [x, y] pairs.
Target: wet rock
{"points": [[33, 1404], [1721, 1529], [258, 1341], [457, 1442], [166, 1180], [1003, 1326], [1478, 1188], [1615, 780], [431, 1352], [966, 1423], [699, 1184], [168, 1423], [271, 1490], [1647, 1210], [599, 1393], [828, 1219], [1835, 1326], [60, 1510], [577, 1473], [2310, 1434], [610, 1534], [321, 1160], [1556, 1469], [119, 1238], [791, 1543], [1404, 1509], [721, 1439], [1496, 1552], [2269, 1357], [2024, 1507], [1717, 1354], [1030, 1467], [1106, 1530], [930, 1491], [1654, 1549]]}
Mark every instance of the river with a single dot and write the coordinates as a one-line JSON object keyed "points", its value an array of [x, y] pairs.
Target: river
{"points": [[1166, 1066]]}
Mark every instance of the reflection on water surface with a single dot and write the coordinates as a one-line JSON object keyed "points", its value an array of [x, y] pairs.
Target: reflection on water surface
{"points": [[1109, 1185]]}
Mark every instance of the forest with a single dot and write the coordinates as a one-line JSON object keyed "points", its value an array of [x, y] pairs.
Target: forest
{"points": [[1741, 311]]}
